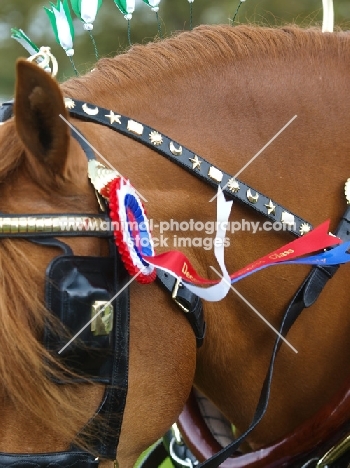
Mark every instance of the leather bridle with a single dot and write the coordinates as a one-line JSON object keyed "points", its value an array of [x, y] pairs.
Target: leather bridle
{"points": [[15, 226]]}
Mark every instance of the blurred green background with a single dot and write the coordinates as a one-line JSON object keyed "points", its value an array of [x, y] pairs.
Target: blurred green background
{"points": [[110, 29]]}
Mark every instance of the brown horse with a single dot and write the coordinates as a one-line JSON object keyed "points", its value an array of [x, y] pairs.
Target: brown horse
{"points": [[224, 93]]}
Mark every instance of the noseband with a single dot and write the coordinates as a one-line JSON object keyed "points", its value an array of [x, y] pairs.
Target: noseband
{"points": [[101, 354]]}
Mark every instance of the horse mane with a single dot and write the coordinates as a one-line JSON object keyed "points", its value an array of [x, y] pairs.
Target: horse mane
{"points": [[197, 50]]}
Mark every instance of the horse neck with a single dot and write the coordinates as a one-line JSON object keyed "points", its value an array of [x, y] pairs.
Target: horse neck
{"points": [[226, 114]]}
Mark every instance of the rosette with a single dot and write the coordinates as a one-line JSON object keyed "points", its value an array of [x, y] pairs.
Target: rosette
{"points": [[131, 230]]}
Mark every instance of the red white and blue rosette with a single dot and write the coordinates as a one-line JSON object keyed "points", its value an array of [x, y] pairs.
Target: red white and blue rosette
{"points": [[132, 233]]}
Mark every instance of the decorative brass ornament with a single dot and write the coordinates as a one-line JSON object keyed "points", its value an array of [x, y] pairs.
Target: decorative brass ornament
{"points": [[347, 191], [196, 163], [102, 318], [49, 224], [135, 127], [215, 174], [233, 185], [304, 228], [43, 59], [252, 198], [287, 218], [69, 103], [271, 208], [113, 118], [155, 138], [175, 151], [89, 111], [100, 175]]}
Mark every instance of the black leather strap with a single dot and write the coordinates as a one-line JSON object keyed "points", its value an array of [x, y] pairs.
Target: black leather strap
{"points": [[48, 460], [106, 423], [187, 301], [202, 169], [319, 276], [53, 242], [6, 110]]}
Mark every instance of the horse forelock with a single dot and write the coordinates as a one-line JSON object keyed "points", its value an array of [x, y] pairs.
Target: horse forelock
{"points": [[24, 363], [25, 366], [11, 150]]}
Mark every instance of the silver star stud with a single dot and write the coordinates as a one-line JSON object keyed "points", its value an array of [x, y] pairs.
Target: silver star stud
{"points": [[113, 118], [271, 208], [196, 163]]}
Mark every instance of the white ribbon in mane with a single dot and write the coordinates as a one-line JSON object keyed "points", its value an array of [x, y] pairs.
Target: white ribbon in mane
{"points": [[89, 9], [328, 16]]}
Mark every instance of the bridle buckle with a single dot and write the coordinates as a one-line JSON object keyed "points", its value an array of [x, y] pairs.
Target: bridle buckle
{"points": [[177, 286]]}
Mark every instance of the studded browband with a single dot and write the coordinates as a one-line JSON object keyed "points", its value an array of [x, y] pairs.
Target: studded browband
{"points": [[231, 186], [27, 225]]}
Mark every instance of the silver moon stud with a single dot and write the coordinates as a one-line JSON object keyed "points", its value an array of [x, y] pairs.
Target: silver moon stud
{"points": [[175, 151], [252, 198], [89, 111]]}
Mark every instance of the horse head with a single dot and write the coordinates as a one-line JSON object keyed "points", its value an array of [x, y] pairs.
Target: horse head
{"points": [[44, 172]]}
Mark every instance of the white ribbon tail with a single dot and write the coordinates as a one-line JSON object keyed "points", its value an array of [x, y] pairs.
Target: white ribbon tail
{"points": [[328, 16], [218, 291]]}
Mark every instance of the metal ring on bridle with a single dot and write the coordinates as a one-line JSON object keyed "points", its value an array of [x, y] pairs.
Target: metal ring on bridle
{"points": [[43, 58]]}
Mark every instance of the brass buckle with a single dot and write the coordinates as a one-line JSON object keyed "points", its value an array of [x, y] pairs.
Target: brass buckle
{"points": [[174, 295], [101, 318]]}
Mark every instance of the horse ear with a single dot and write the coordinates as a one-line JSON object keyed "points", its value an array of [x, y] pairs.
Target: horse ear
{"points": [[38, 106]]}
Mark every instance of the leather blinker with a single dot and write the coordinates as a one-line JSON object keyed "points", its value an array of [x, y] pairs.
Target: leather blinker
{"points": [[79, 293]]}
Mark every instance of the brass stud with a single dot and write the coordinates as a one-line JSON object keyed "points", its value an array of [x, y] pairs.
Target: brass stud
{"points": [[156, 138], [215, 174], [175, 151], [196, 163], [304, 228], [252, 198], [113, 118], [347, 191], [69, 103], [271, 208], [135, 127], [233, 185], [90, 111], [287, 218]]}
